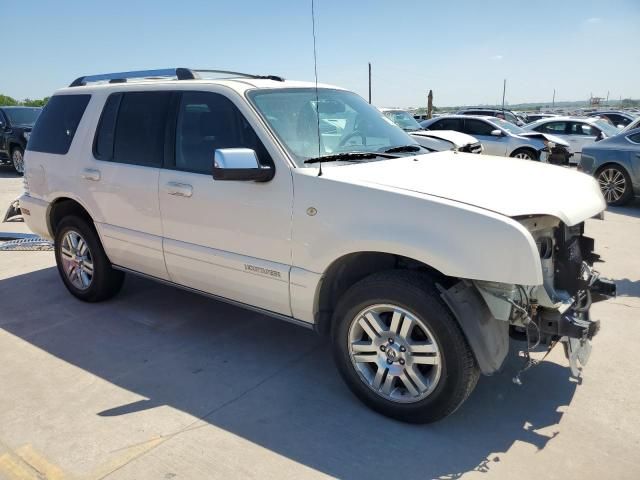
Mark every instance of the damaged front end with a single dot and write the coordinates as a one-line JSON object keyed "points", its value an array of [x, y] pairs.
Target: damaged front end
{"points": [[558, 310], [548, 314]]}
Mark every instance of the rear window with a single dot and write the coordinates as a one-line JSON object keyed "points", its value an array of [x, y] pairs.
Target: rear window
{"points": [[57, 124]]}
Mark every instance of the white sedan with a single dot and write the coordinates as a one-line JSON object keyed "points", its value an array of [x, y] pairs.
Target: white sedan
{"points": [[577, 131]]}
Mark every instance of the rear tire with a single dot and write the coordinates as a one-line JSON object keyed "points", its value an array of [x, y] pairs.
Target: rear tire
{"points": [[418, 372], [17, 160], [82, 262], [615, 185]]}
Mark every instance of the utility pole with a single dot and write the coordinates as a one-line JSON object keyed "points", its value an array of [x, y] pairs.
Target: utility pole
{"points": [[430, 104], [369, 82], [504, 89], [607, 97], [553, 102]]}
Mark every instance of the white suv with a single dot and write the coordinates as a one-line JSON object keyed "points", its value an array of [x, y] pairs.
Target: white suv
{"points": [[303, 202]]}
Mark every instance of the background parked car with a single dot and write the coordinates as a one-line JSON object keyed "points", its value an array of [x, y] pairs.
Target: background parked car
{"points": [[499, 137], [618, 119], [534, 117], [15, 128], [434, 140], [579, 132], [507, 115], [615, 162]]}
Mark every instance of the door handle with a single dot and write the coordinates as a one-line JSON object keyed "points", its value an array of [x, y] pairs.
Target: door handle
{"points": [[179, 189], [91, 174]]}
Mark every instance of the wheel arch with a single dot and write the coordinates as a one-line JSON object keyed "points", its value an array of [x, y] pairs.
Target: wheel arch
{"points": [[62, 207], [350, 268], [527, 148]]}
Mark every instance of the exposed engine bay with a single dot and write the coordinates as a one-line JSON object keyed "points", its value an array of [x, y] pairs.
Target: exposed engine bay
{"points": [[559, 310]]}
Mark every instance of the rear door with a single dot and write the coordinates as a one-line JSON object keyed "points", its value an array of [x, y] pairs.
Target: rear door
{"points": [[4, 152], [119, 179], [493, 145]]}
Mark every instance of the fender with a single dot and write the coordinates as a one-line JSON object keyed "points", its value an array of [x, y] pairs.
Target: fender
{"points": [[457, 239]]}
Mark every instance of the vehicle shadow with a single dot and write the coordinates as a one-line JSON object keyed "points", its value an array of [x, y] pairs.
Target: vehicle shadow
{"points": [[7, 171], [630, 210], [271, 382]]}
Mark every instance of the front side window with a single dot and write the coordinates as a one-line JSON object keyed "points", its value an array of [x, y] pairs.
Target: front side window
{"points": [[336, 121], [57, 124], [583, 129], [206, 122], [556, 128], [477, 127], [140, 127]]}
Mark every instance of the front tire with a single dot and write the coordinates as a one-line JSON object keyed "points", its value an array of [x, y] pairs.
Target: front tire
{"points": [[525, 154], [400, 350], [82, 262], [615, 185], [17, 158]]}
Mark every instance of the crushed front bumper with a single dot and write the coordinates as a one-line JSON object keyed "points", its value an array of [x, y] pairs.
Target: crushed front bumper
{"points": [[574, 328]]}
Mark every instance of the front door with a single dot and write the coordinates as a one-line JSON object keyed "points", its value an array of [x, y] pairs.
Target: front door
{"points": [[227, 238], [580, 134], [493, 145]]}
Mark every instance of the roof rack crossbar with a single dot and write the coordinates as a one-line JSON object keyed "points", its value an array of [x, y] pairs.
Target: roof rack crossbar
{"points": [[179, 73]]}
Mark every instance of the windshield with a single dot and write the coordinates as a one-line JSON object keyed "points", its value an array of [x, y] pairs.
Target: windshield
{"points": [[347, 123], [508, 126], [608, 129], [23, 116], [403, 119]]}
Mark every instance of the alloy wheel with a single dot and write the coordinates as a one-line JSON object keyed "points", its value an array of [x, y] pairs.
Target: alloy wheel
{"points": [[18, 160], [77, 261], [394, 353], [523, 156], [613, 184]]}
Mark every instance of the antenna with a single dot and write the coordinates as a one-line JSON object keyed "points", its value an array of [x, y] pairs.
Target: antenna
{"points": [[315, 71]]}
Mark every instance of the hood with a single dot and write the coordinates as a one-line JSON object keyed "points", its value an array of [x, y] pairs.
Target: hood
{"points": [[459, 139], [544, 136], [509, 186]]}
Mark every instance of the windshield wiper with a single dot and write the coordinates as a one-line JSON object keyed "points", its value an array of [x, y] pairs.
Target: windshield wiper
{"points": [[349, 156], [405, 148]]}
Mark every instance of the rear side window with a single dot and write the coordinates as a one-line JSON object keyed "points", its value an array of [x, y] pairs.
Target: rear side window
{"points": [[477, 127], [132, 128], [557, 128], [635, 138], [447, 124], [57, 124]]}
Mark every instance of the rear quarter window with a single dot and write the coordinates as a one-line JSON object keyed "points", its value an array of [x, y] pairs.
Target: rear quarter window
{"points": [[57, 124]]}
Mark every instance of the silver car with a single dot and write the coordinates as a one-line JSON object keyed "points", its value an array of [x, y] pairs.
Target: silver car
{"points": [[578, 131], [499, 137], [615, 162]]}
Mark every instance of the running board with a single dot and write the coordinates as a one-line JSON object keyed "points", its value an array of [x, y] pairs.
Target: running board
{"points": [[269, 313]]}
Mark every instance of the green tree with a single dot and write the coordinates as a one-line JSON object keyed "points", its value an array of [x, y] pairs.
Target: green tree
{"points": [[7, 101]]}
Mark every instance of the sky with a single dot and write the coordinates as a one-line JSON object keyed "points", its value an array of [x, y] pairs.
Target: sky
{"points": [[462, 50]]}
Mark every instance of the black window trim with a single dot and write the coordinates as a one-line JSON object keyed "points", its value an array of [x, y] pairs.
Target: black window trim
{"points": [[172, 127], [121, 93]]}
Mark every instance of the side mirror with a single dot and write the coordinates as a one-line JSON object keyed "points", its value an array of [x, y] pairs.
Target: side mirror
{"points": [[240, 164], [496, 133]]}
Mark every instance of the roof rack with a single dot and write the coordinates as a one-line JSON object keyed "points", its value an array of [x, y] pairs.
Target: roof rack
{"points": [[164, 73]]}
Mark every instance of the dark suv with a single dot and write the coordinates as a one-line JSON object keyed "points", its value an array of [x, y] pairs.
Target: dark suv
{"points": [[15, 128]]}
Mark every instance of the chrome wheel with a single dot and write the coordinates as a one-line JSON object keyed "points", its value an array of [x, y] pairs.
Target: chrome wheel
{"points": [[394, 353], [523, 156], [18, 160], [77, 261], [613, 184]]}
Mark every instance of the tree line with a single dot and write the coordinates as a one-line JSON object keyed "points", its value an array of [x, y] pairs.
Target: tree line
{"points": [[7, 101]]}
